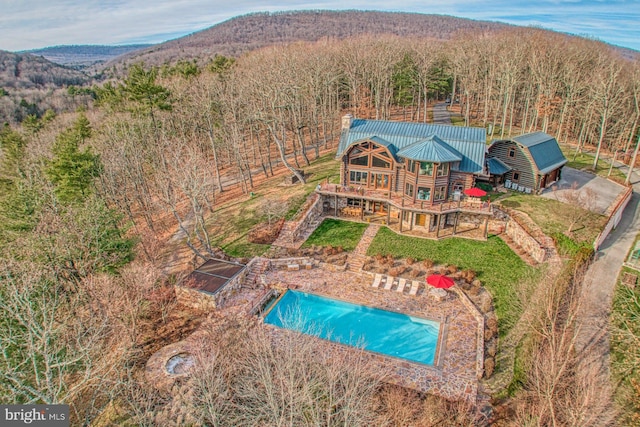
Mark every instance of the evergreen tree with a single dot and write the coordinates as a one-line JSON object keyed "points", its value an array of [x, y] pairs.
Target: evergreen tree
{"points": [[72, 170]]}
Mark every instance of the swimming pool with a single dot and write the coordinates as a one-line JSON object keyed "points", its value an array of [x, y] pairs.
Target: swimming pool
{"points": [[381, 331]]}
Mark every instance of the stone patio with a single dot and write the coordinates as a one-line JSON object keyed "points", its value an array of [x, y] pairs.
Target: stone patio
{"points": [[457, 369]]}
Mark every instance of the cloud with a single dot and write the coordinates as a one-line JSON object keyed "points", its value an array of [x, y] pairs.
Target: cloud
{"points": [[28, 24]]}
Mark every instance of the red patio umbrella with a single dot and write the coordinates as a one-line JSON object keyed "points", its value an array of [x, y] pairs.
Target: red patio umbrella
{"points": [[475, 192], [440, 281]]}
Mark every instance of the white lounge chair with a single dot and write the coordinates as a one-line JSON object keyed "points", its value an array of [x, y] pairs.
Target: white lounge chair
{"points": [[401, 284], [376, 280], [414, 287], [389, 284]]}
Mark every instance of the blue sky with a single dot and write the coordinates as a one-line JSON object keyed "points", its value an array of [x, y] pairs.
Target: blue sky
{"points": [[30, 24]]}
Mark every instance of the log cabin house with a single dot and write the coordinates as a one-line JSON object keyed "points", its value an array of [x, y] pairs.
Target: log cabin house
{"points": [[527, 163], [409, 176]]}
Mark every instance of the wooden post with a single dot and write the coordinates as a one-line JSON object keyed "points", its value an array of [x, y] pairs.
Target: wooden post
{"points": [[455, 223], [486, 226], [401, 219], [336, 206], [437, 226], [411, 222]]}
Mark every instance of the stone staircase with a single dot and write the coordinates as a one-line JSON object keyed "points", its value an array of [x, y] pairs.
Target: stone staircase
{"points": [[285, 238], [258, 268], [359, 255]]}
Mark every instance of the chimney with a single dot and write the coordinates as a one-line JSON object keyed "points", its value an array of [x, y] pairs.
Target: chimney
{"points": [[347, 119]]}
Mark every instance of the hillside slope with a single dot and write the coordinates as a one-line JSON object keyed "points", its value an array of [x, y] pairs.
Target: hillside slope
{"points": [[84, 55], [26, 71], [238, 35]]}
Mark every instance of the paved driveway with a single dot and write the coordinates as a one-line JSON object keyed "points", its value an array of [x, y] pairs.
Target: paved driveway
{"points": [[441, 115], [605, 191]]}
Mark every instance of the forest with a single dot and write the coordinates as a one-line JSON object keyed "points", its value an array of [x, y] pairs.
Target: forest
{"points": [[89, 199]]}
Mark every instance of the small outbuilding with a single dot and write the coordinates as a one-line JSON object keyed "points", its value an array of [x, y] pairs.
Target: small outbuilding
{"points": [[208, 286], [527, 163]]}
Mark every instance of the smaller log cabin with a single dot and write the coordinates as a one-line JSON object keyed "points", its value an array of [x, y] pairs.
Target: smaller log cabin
{"points": [[527, 163], [409, 176]]}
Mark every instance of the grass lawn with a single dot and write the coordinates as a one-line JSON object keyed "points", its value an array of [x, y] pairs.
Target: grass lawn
{"points": [[496, 265], [553, 216], [231, 222], [333, 232], [625, 352]]}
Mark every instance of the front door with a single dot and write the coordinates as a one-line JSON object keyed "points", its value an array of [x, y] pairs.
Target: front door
{"points": [[421, 219]]}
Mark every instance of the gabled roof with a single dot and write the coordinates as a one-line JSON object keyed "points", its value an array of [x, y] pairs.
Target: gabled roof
{"points": [[469, 142], [544, 150], [432, 149], [377, 140], [497, 166]]}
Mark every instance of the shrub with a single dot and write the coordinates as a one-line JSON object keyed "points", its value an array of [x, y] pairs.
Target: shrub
{"points": [[428, 263], [468, 275], [410, 261], [489, 367], [451, 269]]}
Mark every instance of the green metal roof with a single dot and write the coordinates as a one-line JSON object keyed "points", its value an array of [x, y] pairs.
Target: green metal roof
{"points": [[432, 149], [497, 166], [469, 143], [544, 150]]}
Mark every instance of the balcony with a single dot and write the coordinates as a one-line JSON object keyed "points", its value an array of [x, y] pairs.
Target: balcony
{"points": [[466, 204]]}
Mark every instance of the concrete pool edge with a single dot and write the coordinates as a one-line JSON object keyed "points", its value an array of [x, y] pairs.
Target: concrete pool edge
{"points": [[438, 352]]}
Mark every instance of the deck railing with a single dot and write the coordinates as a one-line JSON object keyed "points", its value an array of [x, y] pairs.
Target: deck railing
{"points": [[470, 204]]}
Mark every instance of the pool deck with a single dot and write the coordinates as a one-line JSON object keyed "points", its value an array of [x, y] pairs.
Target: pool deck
{"points": [[459, 355], [455, 374]]}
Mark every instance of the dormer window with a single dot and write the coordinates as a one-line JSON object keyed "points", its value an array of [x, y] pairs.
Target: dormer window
{"points": [[511, 153]]}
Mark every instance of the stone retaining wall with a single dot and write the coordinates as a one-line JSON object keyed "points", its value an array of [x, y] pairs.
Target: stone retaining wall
{"points": [[312, 214], [523, 237]]}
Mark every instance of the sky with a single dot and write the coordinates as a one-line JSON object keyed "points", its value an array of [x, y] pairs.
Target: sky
{"points": [[33, 24]]}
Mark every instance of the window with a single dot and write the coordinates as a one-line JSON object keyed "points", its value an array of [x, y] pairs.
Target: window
{"points": [[409, 190], [515, 177], [424, 193], [426, 168], [458, 186], [380, 163], [380, 180], [357, 177], [411, 166], [443, 169], [441, 193], [360, 161], [511, 153]]}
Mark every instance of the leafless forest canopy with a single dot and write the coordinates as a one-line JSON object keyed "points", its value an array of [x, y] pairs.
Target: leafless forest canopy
{"points": [[154, 150], [249, 32]]}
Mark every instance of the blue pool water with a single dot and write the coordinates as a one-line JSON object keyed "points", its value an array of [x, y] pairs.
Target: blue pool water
{"points": [[376, 330]]}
